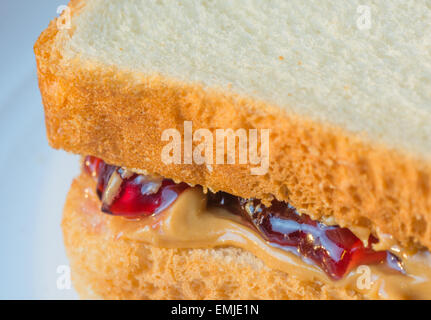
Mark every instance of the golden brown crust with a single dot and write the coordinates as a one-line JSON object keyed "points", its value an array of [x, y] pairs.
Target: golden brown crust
{"points": [[106, 266], [119, 116]]}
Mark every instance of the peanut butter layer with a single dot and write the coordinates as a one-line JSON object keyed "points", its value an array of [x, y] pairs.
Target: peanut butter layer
{"points": [[189, 224]]}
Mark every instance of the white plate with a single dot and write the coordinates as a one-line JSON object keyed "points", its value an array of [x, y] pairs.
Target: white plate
{"points": [[34, 178]]}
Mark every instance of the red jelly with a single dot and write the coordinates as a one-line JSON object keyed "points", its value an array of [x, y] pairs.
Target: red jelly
{"points": [[334, 249], [92, 165], [136, 195]]}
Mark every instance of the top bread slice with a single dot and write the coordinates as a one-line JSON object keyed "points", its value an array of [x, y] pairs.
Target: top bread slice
{"points": [[345, 90]]}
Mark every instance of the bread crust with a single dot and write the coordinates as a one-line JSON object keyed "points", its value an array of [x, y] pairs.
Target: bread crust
{"points": [[107, 266], [119, 116]]}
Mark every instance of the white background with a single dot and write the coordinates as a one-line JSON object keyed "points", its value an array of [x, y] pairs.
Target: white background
{"points": [[34, 178]]}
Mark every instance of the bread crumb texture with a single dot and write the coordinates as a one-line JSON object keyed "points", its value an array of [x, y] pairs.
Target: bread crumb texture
{"points": [[116, 106]]}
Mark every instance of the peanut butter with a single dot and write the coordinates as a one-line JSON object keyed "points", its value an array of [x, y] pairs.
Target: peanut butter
{"points": [[188, 223]]}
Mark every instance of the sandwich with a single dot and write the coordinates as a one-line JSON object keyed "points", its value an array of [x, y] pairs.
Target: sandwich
{"points": [[243, 149]]}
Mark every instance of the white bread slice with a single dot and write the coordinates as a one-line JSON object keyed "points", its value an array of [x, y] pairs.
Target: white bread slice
{"points": [[313, 59], [348, 109]]}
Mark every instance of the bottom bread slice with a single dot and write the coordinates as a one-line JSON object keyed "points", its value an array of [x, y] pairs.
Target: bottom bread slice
{"points": [[107, 266]]}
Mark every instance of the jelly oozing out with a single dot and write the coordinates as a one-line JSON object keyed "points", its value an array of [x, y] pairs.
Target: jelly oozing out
{"points": [[334, 249], [136, 195]]}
